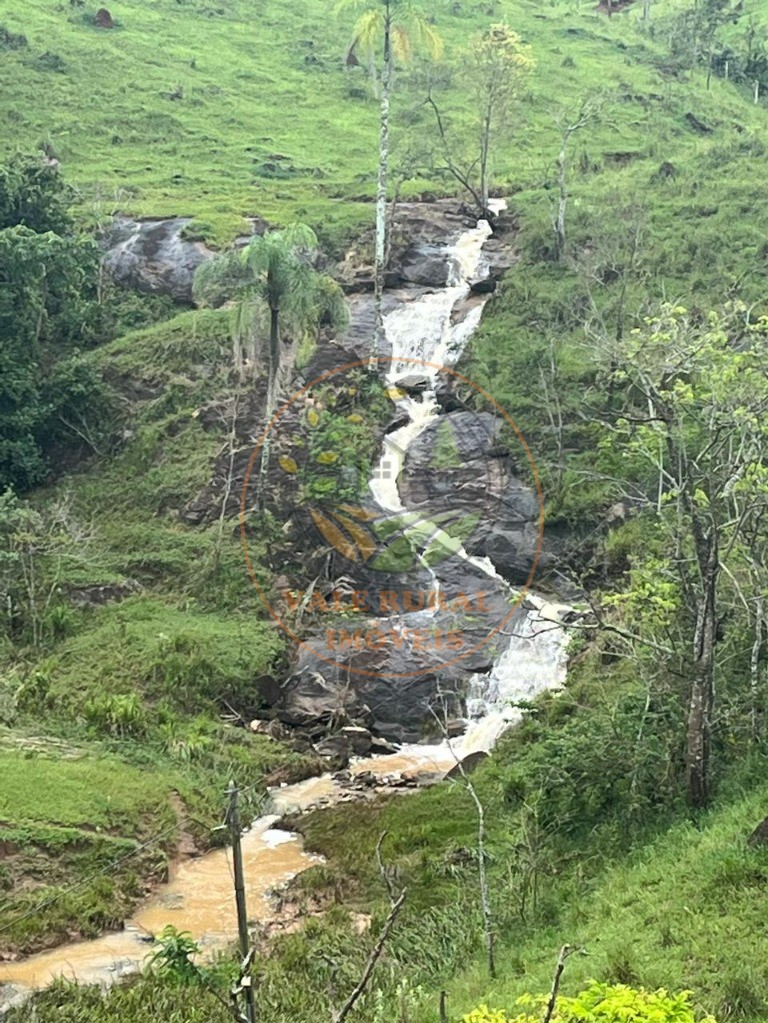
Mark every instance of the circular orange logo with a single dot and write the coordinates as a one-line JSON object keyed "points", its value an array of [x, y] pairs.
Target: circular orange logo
{"points": [[401, 512]]}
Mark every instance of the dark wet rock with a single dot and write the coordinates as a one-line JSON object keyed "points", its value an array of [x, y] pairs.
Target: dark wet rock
{"points": [[154, 257], [385, 676], [483, 285], [381, 746], [468, 764], [455, 727], [463, 462], [413, 384], [425, 264], [397, 423], [308, 699], [358, 739], [448, 402], [333, 746]]}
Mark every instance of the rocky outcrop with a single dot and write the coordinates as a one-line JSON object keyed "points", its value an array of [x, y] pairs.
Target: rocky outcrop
{"points": [[98, 594], [468, 461], [154, 257]]}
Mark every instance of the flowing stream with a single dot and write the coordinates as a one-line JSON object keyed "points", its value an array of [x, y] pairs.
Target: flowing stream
{"points": [[198, 898]]}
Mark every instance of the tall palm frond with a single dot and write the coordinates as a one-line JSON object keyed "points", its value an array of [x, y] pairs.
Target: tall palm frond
{"points": [[220, 280]]}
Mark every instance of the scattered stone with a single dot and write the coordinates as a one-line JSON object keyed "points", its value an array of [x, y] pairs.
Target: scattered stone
{"points": [[365, 779], [358, 739], [103, 19]]}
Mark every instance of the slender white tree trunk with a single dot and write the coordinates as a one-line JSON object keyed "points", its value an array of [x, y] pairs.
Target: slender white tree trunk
{"points": [[754, 667], [381, 195], [274, 370]]}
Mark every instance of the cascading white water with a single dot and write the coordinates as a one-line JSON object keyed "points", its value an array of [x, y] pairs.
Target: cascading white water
{"points": [[199, 897], [423, 339]]}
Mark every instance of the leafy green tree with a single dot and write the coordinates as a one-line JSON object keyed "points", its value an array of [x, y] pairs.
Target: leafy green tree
{"points": [[692, 430], [391, 28], [47, 284], [493, 72], [48, 311], [277, 290], [33, 195]]}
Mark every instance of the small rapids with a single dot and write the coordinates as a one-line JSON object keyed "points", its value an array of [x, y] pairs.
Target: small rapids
{"points": [[198, 898]]}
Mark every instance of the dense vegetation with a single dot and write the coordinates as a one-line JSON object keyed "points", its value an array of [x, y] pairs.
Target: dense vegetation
{"points": [[633, 165]]}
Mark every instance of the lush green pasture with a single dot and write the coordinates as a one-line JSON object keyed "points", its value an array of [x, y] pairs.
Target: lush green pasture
{"points": [[219, 111]]}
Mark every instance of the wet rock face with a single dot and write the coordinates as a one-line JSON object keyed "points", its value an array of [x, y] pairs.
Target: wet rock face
{"points": [[153, 256], [466, 461], [425, 264], [385, 678]]}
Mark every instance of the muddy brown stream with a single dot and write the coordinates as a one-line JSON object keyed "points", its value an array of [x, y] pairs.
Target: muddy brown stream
{"points": [[199, 896]]}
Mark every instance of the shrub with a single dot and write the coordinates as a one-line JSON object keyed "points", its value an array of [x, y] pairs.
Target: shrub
{"points": [[599, 1003], [11, 40]]}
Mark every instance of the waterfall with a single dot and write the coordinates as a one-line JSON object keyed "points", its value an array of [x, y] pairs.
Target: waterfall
{"points": [[535, 656]]}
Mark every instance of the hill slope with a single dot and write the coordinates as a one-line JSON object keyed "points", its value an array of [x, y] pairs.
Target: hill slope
{"points": [[238, 109]]}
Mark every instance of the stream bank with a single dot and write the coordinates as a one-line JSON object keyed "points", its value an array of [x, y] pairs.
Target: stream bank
{"points": [[512, 646]]}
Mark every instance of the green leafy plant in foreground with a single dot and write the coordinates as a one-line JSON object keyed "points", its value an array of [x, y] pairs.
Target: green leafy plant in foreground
{"points": [[599, 1003]]}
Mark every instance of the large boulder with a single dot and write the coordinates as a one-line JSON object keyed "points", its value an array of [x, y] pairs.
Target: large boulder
{"points": [[384, 674], [153, 256], [425, 264], [467, 462]]}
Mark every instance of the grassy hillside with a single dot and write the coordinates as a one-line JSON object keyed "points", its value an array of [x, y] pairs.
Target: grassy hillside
{"points": [[224, 110], [220, 111], [130, 689]]}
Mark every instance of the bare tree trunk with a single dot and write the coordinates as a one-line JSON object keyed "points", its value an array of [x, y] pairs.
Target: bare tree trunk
{"points": [[485, 150], [754, 668], [274, 368], [549, 1012], [699, 732], [562, 204], [381, 192], [482, 876]]}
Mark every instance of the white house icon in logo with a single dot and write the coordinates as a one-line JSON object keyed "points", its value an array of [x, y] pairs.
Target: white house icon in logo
{"points": [[391, 461]]}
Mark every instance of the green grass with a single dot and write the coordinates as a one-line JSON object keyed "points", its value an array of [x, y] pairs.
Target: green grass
{"points": [[223, 111], [267, 120]]}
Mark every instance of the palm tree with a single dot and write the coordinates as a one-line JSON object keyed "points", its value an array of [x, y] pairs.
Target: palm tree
{"points": [[393, 25], [276, 287]]}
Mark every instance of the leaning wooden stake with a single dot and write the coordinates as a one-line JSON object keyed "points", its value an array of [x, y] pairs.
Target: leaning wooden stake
{"points": [[443, 1008], [565, 951], [396, 904]]}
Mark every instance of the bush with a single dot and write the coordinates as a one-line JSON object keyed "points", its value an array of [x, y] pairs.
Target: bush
{"points": [[11, 40], [599, 1003]]}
